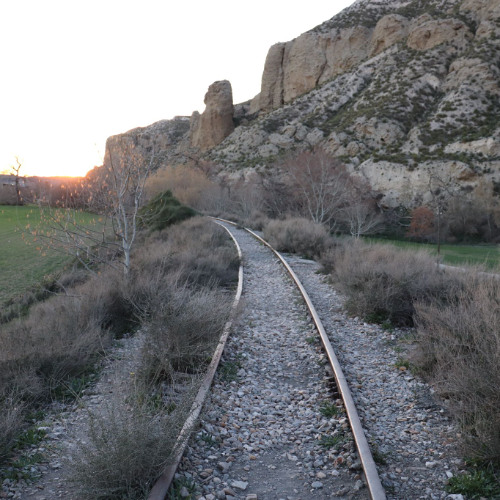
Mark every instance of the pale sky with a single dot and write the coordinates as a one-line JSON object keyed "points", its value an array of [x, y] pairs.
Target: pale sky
{"points": [[75, 72]]}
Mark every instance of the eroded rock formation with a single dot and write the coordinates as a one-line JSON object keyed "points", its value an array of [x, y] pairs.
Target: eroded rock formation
{"points": [[211, 127]]}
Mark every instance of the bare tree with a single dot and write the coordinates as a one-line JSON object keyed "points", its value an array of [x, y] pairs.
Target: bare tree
{"points": [[361, 218], [321, 184], [441, 190], [113, 192], [15, 169], [127, 173]]}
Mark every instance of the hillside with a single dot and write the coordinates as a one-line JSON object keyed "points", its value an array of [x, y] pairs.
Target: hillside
{"points": [[400, 91]]}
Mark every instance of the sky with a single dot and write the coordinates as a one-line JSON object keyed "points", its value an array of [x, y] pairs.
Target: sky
{"points": [[75, 72]]}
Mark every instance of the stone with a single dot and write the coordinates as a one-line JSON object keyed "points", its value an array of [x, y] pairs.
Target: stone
{"points": [[389, 30], [240, 485], [317, 485]]}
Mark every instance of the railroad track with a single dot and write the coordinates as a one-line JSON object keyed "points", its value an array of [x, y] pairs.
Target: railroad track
{"points": [[372, 480]]}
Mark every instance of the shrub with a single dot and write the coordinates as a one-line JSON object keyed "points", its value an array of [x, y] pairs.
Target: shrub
{"points": [[128, 447], [381, 283], [297, 235], [459, 349], [184, 327], [163, 211]]}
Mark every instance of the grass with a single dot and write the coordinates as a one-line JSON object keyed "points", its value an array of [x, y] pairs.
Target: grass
{"points": [[24, 262], [475, 484], [455, 255]]}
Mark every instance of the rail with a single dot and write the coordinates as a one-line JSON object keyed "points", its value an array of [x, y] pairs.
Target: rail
{"points": [[373, 482]]}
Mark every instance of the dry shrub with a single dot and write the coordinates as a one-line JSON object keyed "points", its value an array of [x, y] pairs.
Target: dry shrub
{"points": [[298, 235], [184, 328], [12, 409], [128, 447], [198, 251], [459, 348], [63, 335], [382, 283]]}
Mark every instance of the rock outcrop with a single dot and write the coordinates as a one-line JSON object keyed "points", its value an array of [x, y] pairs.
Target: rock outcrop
{"points": [[429, 32], [211, 127]]}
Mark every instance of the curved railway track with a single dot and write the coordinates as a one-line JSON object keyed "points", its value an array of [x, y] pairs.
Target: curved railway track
{"points": [[372, 480]]}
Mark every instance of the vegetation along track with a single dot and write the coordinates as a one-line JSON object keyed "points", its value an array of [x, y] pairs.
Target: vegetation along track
{"points": [[274, 427]]}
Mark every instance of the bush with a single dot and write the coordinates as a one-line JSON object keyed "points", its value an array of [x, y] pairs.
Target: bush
{"points": [[459, 349], [382, 283], [128, 447], [298, 235], [163, 211], [183, 330]]}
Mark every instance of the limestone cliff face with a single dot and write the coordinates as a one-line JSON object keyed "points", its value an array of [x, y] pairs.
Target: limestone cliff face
{"points": [[397, 89], [211, 127], [164, 140], [315, 57]]}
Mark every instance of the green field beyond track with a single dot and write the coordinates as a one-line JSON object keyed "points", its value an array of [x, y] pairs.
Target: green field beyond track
{"points": [[454, 255], [24, 259]]}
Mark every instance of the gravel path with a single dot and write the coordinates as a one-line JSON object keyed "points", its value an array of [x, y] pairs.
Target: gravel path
{"points": [[262, 434]]}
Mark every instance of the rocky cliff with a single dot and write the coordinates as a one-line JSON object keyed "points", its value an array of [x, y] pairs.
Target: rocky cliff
{"points": [[399, 90]]}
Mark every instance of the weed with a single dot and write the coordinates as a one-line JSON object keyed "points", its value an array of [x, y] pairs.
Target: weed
{"points": [[180, 487], [21, 467], [379, 457], [31, 437], [73, 388], [207, 438], [475, 484], [311, 340], [402, 363], [331, 441], [328, 409], [229, 370]]}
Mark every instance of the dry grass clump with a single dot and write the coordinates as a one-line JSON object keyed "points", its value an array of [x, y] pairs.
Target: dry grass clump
{"points": [[183, 330], [382, 283], [298, 235], [129, 444], [459, 349], [197, 251], [12, 410]]}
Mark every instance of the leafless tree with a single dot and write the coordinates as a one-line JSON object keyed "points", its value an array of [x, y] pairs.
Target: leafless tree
{"points": [[113, 192], [15, 169], [321, 185], [361, 217], [127, 172]]}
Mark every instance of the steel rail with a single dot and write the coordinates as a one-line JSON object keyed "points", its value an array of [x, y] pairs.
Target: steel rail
{"points": [[374, 484], [160, 488]]}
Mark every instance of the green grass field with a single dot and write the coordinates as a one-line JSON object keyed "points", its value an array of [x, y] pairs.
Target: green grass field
{"points": [[454, 255], [24, 258]]}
